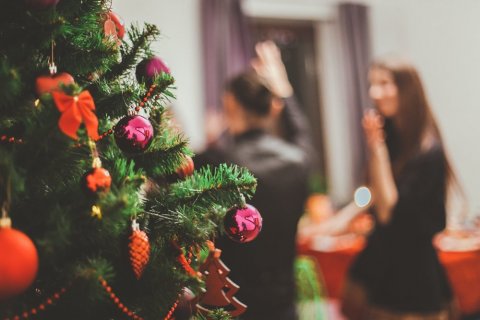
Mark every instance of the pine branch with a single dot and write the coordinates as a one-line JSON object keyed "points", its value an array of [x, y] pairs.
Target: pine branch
{"points": [[113, 98], [163, 158], [121, 169], [195, 207], [222, 186], [10, 87], [163, 83], [217, 314], [140, 42]]}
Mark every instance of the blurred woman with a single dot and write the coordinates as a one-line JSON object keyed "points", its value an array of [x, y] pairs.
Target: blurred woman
{"points": [[398, 275]]}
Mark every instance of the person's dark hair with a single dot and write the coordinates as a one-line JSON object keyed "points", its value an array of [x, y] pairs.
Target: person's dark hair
{"points": [[415, 123], [252, 93]]}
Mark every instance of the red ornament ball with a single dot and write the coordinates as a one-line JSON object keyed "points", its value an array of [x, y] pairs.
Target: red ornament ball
{"points": [[187, 168], [133, 134], [243, 224], [50, 83], [96, 180], [18, 262], [40, 4], [149, 68]]}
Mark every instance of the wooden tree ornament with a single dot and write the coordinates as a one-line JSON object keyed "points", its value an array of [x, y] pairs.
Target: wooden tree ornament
{"points": [[220, 290]]}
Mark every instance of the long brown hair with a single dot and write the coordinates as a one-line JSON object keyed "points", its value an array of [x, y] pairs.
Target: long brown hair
{"points": [[414, 125]]}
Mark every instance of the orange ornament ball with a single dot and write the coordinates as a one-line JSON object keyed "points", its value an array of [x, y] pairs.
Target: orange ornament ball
{"points": [[187, 168], [96, 180]]}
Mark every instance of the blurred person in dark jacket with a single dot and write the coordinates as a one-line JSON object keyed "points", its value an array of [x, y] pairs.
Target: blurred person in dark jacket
{"points": [[254, 102]]}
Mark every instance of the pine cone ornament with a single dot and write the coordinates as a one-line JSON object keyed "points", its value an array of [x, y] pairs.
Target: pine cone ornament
{"points": [[139, 250]]}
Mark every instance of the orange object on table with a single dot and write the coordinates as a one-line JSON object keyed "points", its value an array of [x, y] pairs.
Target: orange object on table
{"points": [[462, 268]]}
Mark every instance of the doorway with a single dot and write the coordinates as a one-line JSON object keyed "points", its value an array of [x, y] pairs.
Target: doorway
{"points": [[296, 40]]}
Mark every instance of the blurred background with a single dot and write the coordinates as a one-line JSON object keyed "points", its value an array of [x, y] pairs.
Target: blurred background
{"points": [[326, 46]]}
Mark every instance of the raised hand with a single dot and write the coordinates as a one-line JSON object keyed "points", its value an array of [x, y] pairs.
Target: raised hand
{"points": [[269, 65], [372, 124]]}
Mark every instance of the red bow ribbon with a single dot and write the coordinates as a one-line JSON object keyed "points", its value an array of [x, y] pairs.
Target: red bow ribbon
{"points": [[75, 110]]}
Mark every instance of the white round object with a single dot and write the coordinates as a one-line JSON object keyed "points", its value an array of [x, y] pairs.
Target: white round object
{"points": [[362, 197]]}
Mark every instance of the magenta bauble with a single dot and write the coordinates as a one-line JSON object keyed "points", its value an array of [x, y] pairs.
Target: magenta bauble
{"points": [[18, 262], [186, 305], [243, 224], [149, 68], [133, 134]]}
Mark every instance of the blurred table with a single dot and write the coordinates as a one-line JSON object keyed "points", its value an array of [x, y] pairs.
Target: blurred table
{"points": [[462, 263]]}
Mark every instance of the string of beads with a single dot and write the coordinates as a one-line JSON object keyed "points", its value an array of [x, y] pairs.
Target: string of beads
{"points": [[124, 308], [41, 307], [13, 140]]}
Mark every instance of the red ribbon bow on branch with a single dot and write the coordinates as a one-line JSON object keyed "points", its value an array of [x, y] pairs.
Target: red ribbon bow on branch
{"points": [[75, 110]]}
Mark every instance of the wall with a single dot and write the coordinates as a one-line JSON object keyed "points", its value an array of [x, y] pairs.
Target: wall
{"points": [[442, 38]]}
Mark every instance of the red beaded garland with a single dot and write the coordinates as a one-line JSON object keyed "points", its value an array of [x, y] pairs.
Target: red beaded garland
{"points": [[172, 310], [41, 307], [5, 138], [124, 308]]}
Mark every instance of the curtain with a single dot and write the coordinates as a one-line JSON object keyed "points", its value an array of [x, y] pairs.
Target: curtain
{"points": [[227, 48], [355, 43]]}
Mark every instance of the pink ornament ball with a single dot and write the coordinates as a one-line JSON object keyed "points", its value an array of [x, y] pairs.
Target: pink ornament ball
{"points": [[243, 224], [186, 305], [149, 68], [133, 134]]}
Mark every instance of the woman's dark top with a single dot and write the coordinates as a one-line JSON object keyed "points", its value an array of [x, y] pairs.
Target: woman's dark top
{"points": [[399, 267]]}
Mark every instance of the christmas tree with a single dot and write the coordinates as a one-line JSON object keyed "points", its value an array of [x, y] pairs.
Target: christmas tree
{"points": [[103, 216]]}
